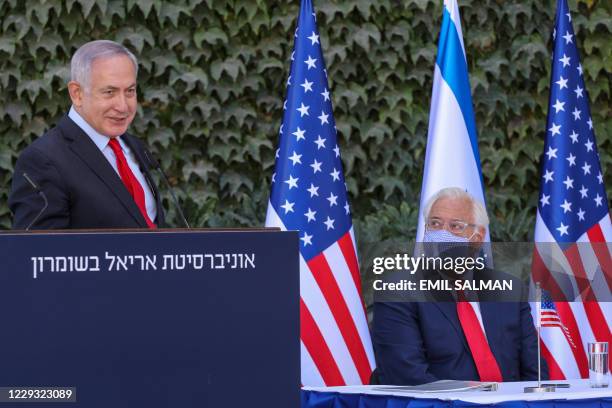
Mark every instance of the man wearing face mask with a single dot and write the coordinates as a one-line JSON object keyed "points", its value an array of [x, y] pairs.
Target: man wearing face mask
{"points": [[422, 342], [87, 171]]}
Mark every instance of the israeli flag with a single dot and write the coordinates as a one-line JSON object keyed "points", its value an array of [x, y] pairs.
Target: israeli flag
{"points": [[451, 158]]}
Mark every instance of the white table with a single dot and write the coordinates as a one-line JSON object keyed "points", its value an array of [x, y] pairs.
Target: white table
{"points": [[509, 391]]}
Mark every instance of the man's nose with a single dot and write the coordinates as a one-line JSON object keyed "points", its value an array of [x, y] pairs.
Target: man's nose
{"points": [[121, 103]]}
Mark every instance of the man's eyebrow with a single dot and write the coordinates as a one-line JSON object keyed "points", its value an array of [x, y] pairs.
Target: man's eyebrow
{"points": [[114, 88]]}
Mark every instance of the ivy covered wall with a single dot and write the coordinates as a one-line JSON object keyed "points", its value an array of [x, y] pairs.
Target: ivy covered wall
{"points": [[212, 83]]}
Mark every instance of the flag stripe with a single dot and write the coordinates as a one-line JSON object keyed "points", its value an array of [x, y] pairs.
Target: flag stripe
{"points": [[540, 271], [596, 235], [337, 263], [348, 250], [449, 159], [316, 346], [337, 304], [310, 372], [573, 257], [554, 371], [600, 327], [583, 323], [347, 247], [317, 305], [560, 347], [593, 311], [606, 227], [541, 274], [592, 267], [453, 9], [324, 320], [567, 317], [453, 67], [565, 312]]}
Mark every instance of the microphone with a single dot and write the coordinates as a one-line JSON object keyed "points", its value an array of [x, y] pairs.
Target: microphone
{"points": [[41, 193], [153, 163]]}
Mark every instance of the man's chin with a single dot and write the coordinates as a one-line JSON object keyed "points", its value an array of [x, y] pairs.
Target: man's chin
{"points": [[115, 131]]}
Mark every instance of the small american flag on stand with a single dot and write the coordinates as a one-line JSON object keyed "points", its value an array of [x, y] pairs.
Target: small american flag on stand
{"points": [[572, 215], [550, 318], [309, 195]]}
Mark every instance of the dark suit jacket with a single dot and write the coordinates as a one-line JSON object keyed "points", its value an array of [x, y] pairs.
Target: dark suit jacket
{"points": [[417, 343], [82, 188]]}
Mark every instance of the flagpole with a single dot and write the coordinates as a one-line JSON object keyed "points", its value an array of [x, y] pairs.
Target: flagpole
{"points": [[540, 387], [538, 327]]}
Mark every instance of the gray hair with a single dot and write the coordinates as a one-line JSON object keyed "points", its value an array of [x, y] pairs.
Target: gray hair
{"points": [[478, 209], [83, 58]]}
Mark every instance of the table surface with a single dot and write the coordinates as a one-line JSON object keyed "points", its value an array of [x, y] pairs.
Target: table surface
{"points": [[508, 391]]}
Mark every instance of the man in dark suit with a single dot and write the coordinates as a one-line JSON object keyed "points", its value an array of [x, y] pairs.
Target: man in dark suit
{"points": [[92, 173], [422, 342]]}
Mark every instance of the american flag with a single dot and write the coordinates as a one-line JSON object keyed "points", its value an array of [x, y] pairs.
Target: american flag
{"points": [[309, 195], [572, 212], [550, 318]]}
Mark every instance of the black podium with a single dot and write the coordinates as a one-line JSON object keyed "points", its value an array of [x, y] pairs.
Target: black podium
{"points": [[185, 318]]}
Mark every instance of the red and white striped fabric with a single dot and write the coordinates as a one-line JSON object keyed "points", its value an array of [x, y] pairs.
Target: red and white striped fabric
{"points": [[309, 195], [335, 340], [573, 222], [564, 345]]}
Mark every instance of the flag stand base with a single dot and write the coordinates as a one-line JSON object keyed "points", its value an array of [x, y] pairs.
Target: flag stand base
{"points": [[542, 388]]}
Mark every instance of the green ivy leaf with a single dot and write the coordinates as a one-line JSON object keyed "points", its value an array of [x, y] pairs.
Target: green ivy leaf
{"points": [[7, 45], [200, 169], [16, 110], [233, 182], [136, 38], [163, 136], [366, 33], [231, 67], [6, 160], [210, 36], [171, 12], [145, 6], [87, 6], [191, 79]]}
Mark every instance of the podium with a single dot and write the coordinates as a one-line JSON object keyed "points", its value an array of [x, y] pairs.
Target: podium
{"points": [[167, 318]]}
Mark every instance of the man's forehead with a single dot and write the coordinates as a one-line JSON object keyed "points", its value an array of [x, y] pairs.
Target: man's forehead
{"points": [[117, 68], [459, 207]]}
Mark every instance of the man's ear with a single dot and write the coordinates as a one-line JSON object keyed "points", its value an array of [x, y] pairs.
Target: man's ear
{"points": [[75, 90]]}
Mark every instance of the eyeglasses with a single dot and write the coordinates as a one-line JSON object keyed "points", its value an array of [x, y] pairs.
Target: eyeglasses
{"points": [[454, 226]]}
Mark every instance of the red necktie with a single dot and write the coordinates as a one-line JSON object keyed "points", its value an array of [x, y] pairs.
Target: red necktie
{"points": [[130, 181], [487, 367]]}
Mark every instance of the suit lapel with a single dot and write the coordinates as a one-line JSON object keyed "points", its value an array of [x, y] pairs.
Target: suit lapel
{"points": [[146, 171], [449, 310], [491, 311], [85, 148], [491, 314]]}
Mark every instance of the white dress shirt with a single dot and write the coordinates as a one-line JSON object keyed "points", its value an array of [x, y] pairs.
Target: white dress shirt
{"points": [[469, 275], [101, 142]]}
